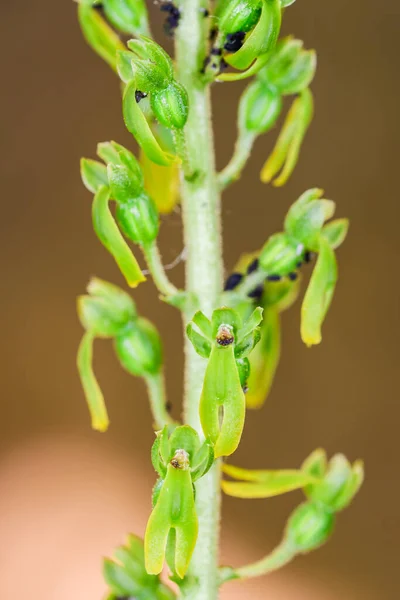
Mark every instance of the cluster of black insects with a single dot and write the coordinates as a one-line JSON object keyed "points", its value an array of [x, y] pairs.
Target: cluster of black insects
{"points": [[237, 278], [233, 41]]}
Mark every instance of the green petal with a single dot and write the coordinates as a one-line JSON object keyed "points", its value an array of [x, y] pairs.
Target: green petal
{"points": [[93, 394], [263, 484], [111, 238], [103, 40]]}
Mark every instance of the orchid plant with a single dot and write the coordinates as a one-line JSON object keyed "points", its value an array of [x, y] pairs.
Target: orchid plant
{"points": [[231, 325]]}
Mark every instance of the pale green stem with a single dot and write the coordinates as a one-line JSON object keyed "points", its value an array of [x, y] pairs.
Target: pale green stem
{"points": [[202, 233], [158, 401], [234, 168], [278, 558], [157, 271]]}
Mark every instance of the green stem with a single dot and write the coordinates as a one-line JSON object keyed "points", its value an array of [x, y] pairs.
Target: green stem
{"points": [[156, 268], [234, 168], [202, 233], [158, 401], [278, 558]]}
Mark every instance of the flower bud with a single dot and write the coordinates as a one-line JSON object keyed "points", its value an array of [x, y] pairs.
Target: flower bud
{"points": [[308, 226], [152, 67], [280, 255], [170, 106], [289, 68], [139, 349], [239, 15], [259, 108], [261, 39], [338, 485], [129, 16], [124, 185], [138, 219], [309, 526], [106, 310]]}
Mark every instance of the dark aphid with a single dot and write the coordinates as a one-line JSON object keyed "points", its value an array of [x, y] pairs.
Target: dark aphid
{"points": [[223, 65], [213, 34], [205, 12], [168, 407], [299, 264], [98, 6], [245, 389], [172, 20], [139, 96], [274, 278], [293, 276], [257, 292], [253, 266], [233, 281], [216, 51], [206, 62], [225, 336], [234, 41], [308, 256]]}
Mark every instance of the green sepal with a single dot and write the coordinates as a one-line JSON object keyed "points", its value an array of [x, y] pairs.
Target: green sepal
{"points": [[157, 489], [243, 367], [199, 342], [139, 348], [111, 238], [310, 526], [298, 207], [251, 323], [129, 16], [286, 3], [202, 461], [307, 228], [263, 484], [138, 126], [222, 391], [316, 464], [247, 344], [186, 438], [138, 219], [335, 232], [94, 174], [147, 50], [102, 39], [93, 393], [125, 68], [119, 581], [225, 316], [158, 464], [175, 509], [319, 294], [262, 38], [204, 324], [100, 317], [300, 75], [287, 148], [116, 154]]}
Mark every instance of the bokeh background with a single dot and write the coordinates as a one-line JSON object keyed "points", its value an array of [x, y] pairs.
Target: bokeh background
{"points": [[68, 495]]}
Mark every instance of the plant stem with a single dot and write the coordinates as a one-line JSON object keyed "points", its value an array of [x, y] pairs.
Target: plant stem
{"points": [[158, 401], [278, 558], [202, 233], [234, 168], [156, 268]]}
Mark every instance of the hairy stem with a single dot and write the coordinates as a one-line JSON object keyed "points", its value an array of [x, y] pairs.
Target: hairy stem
{"points": [[157, 271], [202, 232], [158, 400]]}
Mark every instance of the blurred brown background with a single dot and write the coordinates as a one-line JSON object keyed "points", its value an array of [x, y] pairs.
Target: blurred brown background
{"points": [[68, 495]]}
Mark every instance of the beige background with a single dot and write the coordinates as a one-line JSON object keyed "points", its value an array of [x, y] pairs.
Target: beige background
{"points": [[68, 495]]}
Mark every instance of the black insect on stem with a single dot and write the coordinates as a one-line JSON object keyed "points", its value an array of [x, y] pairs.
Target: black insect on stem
{"points": [[232, 281], [234, 41], [173, 17]]}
